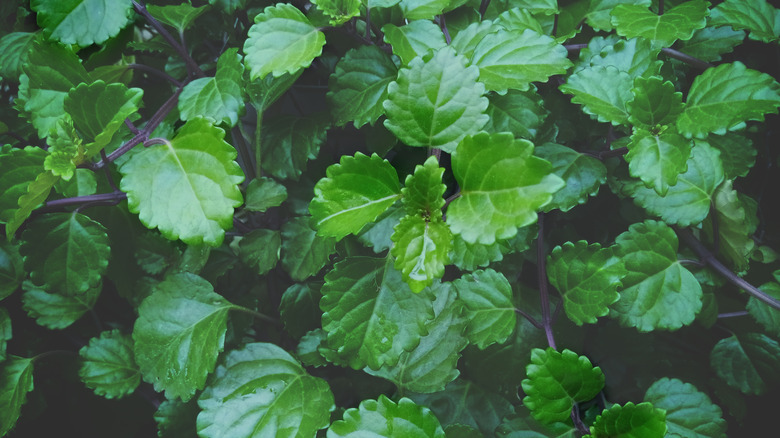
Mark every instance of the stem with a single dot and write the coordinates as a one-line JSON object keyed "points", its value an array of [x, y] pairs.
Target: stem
{"points": [[575, 47], [483, 8], [435, 152], [109, 177], [709, 258], [443, 25], [555, 26], [154, 71], [530, 318], [575, 418], [110, 198], [715, 228], [368, 22], [243, 151], [688, 59], [259, 143], [733, 314], [660, 7], [257, 315], [541, 272]]}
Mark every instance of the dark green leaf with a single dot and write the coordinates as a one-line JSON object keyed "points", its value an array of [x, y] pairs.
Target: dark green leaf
{"points": [[737, 153], [18, 169], [582, 175], [304, 252], [603, 92], [765, 315], [679, 22], [520, 112], [16, 380], [689, 413], [56, 311], [300, 308], [747, 363], [710, 43], [487, 296], [289, 143], [82, 22], [757, 16], [13, 54], [5, 332], [260, 249], [264, 193], [177, 16], [599, 17], [658, 159], [219, 99], [176, 419], [655, 102], [737, 221], [108, 365], [11, 269]]}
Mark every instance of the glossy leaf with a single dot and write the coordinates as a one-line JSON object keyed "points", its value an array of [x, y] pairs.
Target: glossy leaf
{"points": [[519, 112], [414, 39], [370, 314], [179, 332], [710, 43], [598, 16], [524, 426], [36, 194], [260, 390], [557, 380], [723, 97], [470, 256], [467, 39], [515, 59], [436, 101], [502, 187], [82, 22], [264, 193], [282, 40], [655, 102], [186, 187], [747, 363], [602, 92], [260, 249], [423, 9], [57, 311], [757, 16], [64, 252], [99, 110], [658, 292], [676, 23], [659, 159], [219, 98], [421, 250], [355, 192], [289, 143], [339, 11], [737, 221], [582, 175], [487, 296], [358, 86], [16, 380], [18, 168], [689, 412], [383, 417], [108, 365], [737, 153], [304, 252], [179, 16], [630, 421], [635, 56], [422, 194]]}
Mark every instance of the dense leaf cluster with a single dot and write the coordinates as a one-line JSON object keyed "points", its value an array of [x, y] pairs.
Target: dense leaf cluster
{"points": [[401, 218]]}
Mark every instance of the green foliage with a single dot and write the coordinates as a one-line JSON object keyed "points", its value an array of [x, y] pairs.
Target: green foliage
{"points": [[82, 22], [108, 366], [630, 421], [383, 417], [689, 412]]}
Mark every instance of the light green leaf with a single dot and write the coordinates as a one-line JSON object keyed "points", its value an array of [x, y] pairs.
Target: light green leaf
{"points": [[13, 54], [219, 99], [176, 419], [264, 193], [466, 40], [37, 192], [676, 23], [57, 311], [422, 194], [282, 40], [354, 193], [16, 380], [598, 16], [757, 16], [630, 421], [177, 16], [66, 150], [658, 292], [502, 187], [82, 22], [300, 308], [338, 11], [587, 276], [747, 363], [636, 56], [723, 97], [260, 249], [64, 252], [289, 143], [688, 201], [602, 91], [179, 332], [557, 380], [260, 390], [520, 112], [421, 250], [737, 221], [515, 59], [471, 256], [108, 365], [765, 315], [436, 101], [383, 417], [737, 153], [432, 364], [487, 296], [188, 187], [18, 168], [370, 314], [655, 102], [519, 19], [582, 174], [710, 43], [689, 413], [658, 159], [358, 85], [304, 252], [424, 9]]}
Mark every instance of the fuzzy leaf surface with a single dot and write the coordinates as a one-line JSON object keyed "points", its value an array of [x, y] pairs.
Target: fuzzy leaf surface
{"points": [[676, 23], [689, 412], [747, 363], [220, 98], [487, 296], [383, 417], [108, 365], [82, 22], [582, 175], [630, 421]]}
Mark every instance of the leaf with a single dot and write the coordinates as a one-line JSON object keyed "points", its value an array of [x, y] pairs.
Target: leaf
{"points": [[304, 252], [677, 23], [179, 332], [11, 271], [466, 40], [519, 112], [414, 39], [289, 143], [432, 364], [658, 159], [378, 235], [282, 40], [260, 249], [630, 421], [689, 413], [300, 308], [260, 390], [470, 256], [602, 91], [582, 175], [515, 59], [723, 97], [737, 153], [747, 363], [421, 250], [339, 11], [658, 292], [65, 252], [757, 16], [16, 380], [177, 16], [383, 417], [737, 221], [487, 296], [423, 191], [767, 316], [520, 18], [557, 380], [370, 314], [353, 193], [598, 16], [18, 168], [436, 101], [688, 201], [56, 311], [108, 365], [588, 277], [14, 47], [526, 427], [37, 192], [358, 85], [82, 22], [220, 99], [423, 9], [264, 92], [655, 102], [502, 187], [176, 419], [264, 193], [188, 187], [710, 43]]}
